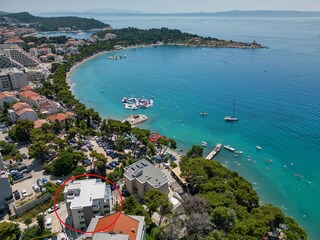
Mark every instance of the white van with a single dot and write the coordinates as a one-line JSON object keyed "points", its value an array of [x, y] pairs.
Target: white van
{"points": [[49, 223]]}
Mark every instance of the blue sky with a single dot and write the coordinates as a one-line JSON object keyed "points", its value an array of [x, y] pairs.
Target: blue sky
{"points": [[164, 6]]}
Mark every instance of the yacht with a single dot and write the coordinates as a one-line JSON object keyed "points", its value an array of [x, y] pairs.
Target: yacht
{"points": [[229, 118], [228, 147]]}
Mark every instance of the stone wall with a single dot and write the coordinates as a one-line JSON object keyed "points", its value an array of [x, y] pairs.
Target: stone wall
{"points": [[19, 211]]}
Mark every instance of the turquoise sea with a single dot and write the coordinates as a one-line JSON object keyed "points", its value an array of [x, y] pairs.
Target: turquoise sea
{"points": [[277, 92]]}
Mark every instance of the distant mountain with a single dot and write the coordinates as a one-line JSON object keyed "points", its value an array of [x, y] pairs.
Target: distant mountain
{"points": [[54, 23], [3, 13], [235, 13], [259, 13]]}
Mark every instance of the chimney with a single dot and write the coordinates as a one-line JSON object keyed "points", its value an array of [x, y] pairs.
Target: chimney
{"points": [[133, 230]]}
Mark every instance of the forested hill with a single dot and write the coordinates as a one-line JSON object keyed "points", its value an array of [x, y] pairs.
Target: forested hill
{"points": [[132, 36], [54, 23]]}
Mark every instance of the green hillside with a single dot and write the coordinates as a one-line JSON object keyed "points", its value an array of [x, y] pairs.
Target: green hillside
{"points": [[54, 23]]}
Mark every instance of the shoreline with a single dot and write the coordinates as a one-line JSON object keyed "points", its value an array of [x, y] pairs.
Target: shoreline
{"points": [[74, 67]]}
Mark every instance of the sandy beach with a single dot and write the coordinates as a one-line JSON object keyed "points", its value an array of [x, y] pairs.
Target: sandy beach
{"points": [[73, 68]]}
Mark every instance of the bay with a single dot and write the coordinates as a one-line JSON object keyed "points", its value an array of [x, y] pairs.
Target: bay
{"points": [[277, 92]]}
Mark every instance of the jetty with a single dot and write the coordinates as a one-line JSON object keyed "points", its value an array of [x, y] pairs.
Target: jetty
{"points": [[214, 152], [136, 119]]}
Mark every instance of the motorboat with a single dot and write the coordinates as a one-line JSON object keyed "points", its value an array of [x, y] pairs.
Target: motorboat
{"points": [[228, 147], [258, 147], [230, 119], [203, 143], [203, 114]]}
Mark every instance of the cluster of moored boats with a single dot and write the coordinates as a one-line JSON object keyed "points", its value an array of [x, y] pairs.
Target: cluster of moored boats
{"points": [[116, 57], [135, 103]]}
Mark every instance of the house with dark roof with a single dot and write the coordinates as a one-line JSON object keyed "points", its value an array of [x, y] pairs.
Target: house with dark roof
{"points": [[142, 176]]}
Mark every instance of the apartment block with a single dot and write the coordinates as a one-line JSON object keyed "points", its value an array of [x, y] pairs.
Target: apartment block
{"points": [[143, 176], [6, 190], [12, 79], [86, 199], [16, 56]]}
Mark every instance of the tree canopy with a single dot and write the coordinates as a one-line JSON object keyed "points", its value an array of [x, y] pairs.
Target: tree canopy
{"points": [[9, 231], [54, 23]]}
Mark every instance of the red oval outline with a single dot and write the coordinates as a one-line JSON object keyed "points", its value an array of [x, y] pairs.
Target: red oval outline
{"points": [[87, 175]]}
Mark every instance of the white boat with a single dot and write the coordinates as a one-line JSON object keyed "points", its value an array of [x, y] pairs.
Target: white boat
{"points": [[203, 143], [258, 147], [228, 147], [229, 118], [238, 152], [203, 114]]}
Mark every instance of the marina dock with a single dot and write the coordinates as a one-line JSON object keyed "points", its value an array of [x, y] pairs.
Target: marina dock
{"points": [[214, 152], [136, 119]]}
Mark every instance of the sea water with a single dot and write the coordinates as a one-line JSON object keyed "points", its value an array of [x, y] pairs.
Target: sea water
{"points": [[277, 94]]}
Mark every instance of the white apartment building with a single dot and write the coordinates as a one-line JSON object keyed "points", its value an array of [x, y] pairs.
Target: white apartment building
{"points": [[36, 74], [12, 79], [86, 199], [142, 176]]}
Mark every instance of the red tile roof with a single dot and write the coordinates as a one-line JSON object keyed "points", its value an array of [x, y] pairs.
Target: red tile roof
{"points": [[60, 117], [28, 94], [25, 88], [14, 40], [38, 123], [24, 110], [6, 94], [20, 105], [124, 225]]}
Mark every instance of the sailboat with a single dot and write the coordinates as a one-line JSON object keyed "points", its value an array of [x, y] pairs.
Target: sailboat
{"points": [[231, 119]]}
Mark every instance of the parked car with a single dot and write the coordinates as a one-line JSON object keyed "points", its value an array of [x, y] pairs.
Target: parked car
{"points": [[44, 180], [115, 155], [35, 188], [24, 193], [43, 189], [49, 223], [24, 156], [39, 182], [17, 176], [110, 166], [14, 172], [113, 164], [16, 195], [51, 209], [87, 162], [59, 182], [42, 214]]}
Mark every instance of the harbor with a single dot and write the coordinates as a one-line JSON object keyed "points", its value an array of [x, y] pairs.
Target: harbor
{"points": [[214, 152]]}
